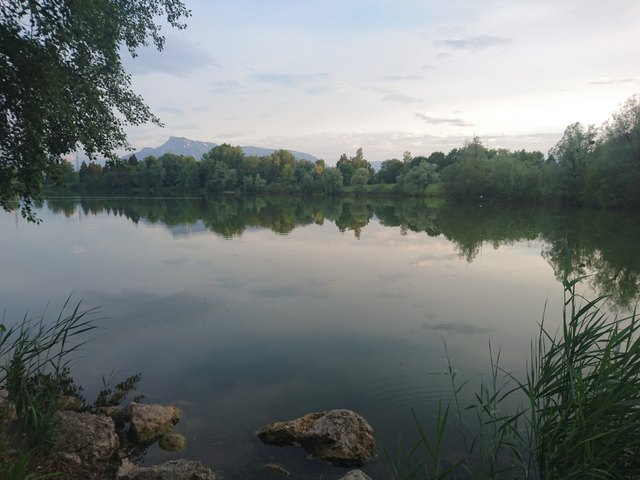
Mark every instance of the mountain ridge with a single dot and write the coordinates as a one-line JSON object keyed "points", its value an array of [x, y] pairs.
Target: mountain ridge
{"points": [[196, 148]]}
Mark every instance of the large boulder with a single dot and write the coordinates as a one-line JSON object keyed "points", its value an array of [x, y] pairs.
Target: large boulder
{"points": [[289, 432], [150, 422], [85, 438], [340, 437], [171, 470]]}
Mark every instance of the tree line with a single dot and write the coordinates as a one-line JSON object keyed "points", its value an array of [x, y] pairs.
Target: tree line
{"points": [[588, 166]]}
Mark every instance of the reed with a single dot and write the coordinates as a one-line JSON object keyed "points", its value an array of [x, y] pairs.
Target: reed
{"points": [[35, 356], [35, 360], [576, 413]]}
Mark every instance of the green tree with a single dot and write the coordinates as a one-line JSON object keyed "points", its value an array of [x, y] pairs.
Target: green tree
{"points": [[473, 149], [359, 161], [513, 177], [63, 86], [417, 179], [275, 165], [288, 175], [304, 176], [613, 172], [467, 179], [318, 168], [331, 181], [349, 165], [360, 179], [117, 175], [156, 174], [624, 127], [439, 159], [66, 177], [572, 153], [140, 178], [133, 160], [188, 176], [221, 168], [90, 175], [390, 170], [346, 168], [172, 165]]}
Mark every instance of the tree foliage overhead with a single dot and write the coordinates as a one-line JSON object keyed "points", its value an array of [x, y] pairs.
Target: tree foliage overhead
{"points": [[63, 86]]}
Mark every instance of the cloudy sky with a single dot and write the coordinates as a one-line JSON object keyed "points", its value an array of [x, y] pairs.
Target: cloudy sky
{"points": [[329, 76]]}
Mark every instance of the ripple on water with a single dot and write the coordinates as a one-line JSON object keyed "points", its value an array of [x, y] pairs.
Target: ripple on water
{"points": [[409, 390]]}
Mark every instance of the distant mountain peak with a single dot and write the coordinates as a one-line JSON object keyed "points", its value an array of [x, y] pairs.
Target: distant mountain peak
{"points": [[186, 146]]}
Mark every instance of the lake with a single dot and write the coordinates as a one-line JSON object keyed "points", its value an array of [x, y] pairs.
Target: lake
{"points": [[246, 311]]}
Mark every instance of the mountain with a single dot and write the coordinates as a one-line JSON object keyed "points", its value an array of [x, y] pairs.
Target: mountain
{"points": [[263, 152], [178, 146], [185, 146]]}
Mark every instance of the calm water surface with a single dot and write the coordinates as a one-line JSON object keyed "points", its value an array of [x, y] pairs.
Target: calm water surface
{"points": [[247, 311]]}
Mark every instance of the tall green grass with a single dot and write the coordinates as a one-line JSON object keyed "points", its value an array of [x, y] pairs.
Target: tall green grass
{"points": [[35, 357], [577, 413]]}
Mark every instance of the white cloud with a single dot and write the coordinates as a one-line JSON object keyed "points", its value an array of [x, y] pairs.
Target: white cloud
{"points": [[179, 57], [287, 79], [401, 98], [456, 122], [614, 81], [402, 78], [473, 43], [328, 77]]}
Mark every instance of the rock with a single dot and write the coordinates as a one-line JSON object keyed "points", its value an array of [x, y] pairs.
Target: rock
{"points": [[274, 467], [150, 422], [69, 403], [112, 411], [340, 437], [356, 475], [86, 437], [290, 432], [70, 458], [127, 469], [172, 442], [172, 470], [120, 415]]}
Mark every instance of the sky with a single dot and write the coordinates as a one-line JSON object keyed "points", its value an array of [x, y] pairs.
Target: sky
{"points": [[388, 75]]}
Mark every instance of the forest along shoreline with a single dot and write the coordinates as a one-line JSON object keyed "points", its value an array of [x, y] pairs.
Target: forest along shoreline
{"points": [[589, 166]]}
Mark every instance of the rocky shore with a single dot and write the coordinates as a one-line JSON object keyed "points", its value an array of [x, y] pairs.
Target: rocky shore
{"points": [[101, 445]]}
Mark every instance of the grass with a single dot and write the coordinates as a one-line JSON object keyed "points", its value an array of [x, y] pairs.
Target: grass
{"points": [[577, 413], [34, 372], [35, 357]]}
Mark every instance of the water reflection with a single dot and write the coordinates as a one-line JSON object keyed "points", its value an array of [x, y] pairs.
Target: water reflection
{"points": [[602, 244], [246, 311]]}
